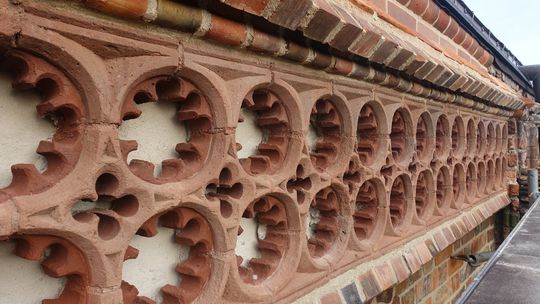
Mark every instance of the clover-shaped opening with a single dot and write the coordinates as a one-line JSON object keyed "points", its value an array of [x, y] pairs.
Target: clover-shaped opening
{"points": [[169, 259], [104, 212], [480, 139], [168, 127], [369, 141], [352, 176], [399, 200], [422, 136], [400, 135], [499, 139], [471, 181], [458, 137], [322, 222], [301, 184], [262, 142], [262, 239], [444, 188], [491, 140], [490, 176], [366, 212], [481, 179], [423, 193], [325, 134], [471, 138], [442, 137], [458, 184]]}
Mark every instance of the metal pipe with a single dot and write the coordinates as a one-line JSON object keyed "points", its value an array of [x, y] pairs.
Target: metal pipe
{"points": [[532, 179], [475, 260], [532, 72]]}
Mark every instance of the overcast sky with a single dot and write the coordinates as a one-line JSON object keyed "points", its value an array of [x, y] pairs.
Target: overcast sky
{"points": [[516, 23]]}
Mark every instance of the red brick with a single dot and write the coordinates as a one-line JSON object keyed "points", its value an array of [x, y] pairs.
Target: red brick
{"points": [[331, 298], [253, 6], [423, 253], [454, 265], [427, 33], [441, 241], [227, 31], [400, 268], [443, 256], [412, 261], [418, 6], [323, 23], [385, 276], [369, 284], [442, 21], [402, 15], [289, 13]]}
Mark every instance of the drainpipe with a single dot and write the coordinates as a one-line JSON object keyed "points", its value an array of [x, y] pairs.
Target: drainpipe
{"points": [[532, 72]]}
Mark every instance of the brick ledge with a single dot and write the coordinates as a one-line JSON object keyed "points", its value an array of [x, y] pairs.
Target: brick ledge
{"points": [[372, 277]]}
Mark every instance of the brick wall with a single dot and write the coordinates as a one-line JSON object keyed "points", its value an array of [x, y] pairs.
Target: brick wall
{"points": [[443, 279]]}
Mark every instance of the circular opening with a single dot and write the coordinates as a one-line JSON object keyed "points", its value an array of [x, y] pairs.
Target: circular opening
{"points": [[266, 135], [423, 192], [442, 136], [171, 122], [422, 136], [170, 258], [366, 211], [322, 221], [367, 134], [399, 135], [262, 239], [398, 201]]}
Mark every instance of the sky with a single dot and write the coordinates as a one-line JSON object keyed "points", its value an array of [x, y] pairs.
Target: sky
{"points": [[516, 23]]}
